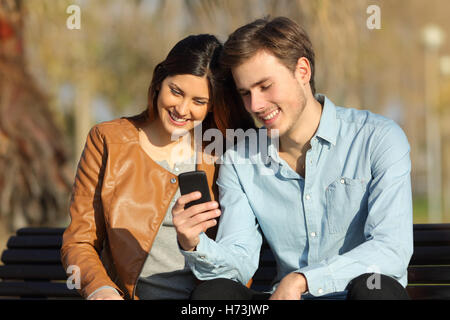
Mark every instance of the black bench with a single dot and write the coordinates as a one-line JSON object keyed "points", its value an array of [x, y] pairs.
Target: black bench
{"points": [[32, 267], [428, 271]]}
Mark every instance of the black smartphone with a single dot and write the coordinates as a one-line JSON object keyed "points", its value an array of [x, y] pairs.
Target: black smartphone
{"points": [[194, 181]]}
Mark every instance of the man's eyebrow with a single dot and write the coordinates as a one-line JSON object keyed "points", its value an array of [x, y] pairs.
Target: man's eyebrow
{"points": [[255, 84]]}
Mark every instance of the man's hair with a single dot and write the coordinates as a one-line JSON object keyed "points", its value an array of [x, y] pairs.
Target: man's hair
{"points": [[281, 36]]}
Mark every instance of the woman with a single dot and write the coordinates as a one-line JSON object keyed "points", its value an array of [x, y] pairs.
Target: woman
{"points": [[121, 235]]}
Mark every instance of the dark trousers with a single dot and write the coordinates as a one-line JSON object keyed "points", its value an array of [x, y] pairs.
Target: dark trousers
{"points": [[367, 286]]}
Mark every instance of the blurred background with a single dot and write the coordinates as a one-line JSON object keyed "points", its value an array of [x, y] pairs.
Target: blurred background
{"points": [[57, 81]]}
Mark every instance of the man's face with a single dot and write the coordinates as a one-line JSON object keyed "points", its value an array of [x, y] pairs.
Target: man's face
{"points": [[271, 92]]}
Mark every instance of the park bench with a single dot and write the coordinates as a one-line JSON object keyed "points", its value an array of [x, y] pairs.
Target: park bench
{"points": [[428, 271], [32, 268]]}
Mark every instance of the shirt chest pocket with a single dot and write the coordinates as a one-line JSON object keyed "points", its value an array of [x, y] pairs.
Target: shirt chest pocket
{"points": [[344, 201]]}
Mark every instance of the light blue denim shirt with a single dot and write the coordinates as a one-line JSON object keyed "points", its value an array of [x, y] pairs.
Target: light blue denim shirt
{"points": [[351, 214]]}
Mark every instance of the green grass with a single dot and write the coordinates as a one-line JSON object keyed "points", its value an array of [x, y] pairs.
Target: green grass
{"points": [[420, 211]]}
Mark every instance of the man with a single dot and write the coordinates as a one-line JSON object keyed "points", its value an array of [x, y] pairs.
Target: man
{"points": [[337, 210]]}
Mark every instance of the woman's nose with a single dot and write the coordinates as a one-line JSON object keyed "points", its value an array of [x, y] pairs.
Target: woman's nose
{"points": [[182, 108]]}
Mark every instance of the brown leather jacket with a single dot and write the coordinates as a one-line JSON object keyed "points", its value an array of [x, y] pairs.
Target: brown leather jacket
{"points": [[119, 199]]}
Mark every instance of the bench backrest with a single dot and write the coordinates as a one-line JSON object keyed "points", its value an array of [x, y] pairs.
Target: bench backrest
{"points": [[32, 266], [428, 271]]}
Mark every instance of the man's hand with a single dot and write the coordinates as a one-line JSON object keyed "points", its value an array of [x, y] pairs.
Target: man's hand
{"points": [[291, 287], [106, 294], [191, 222]]}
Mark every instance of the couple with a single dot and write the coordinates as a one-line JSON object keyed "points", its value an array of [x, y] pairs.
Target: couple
{"points": [[336, 212]]}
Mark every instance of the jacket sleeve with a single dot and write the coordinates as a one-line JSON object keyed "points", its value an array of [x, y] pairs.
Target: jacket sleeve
{"points": [[83, 238]]}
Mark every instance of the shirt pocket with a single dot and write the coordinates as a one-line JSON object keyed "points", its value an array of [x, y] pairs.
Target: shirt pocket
{"points": [[344, 198]]}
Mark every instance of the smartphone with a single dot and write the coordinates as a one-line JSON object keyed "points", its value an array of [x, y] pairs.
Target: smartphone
{"points": [[194, 181]]}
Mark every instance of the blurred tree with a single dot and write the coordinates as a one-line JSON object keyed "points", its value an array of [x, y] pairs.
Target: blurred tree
{"points": [[34, 180], [113, 54]]}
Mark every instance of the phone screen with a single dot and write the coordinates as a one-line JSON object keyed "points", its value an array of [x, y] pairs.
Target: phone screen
{"points": [[194, 181]]}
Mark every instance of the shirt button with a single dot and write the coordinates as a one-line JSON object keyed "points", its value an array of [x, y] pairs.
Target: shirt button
{"points": [[313, 234], [177, 169], [342, 181], [320, 291], [307, 197], [173, 180]]}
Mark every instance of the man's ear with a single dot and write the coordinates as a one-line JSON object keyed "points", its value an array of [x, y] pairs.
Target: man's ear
{"points": [[303, 71]]}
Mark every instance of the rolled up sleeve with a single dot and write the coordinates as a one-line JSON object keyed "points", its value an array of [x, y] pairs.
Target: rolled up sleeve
{"points": [[235, 253]]}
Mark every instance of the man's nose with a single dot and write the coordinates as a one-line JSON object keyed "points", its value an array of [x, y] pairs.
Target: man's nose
{"points": [[256, 103]]}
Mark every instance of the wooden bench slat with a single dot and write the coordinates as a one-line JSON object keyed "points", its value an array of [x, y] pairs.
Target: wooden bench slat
{"points": [[37, 272], [431, 255], [431, 226], [435, 292], [36, 288], [44, 242], [31, 231], [416, 275], [27, 256], [429, 274], [432, 238]]}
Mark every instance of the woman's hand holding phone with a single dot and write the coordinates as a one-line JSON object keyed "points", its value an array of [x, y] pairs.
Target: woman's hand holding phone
{"points": [[194, 220]]}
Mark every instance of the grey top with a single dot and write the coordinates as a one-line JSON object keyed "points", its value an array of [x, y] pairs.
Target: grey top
{"points": [[165, 274]]}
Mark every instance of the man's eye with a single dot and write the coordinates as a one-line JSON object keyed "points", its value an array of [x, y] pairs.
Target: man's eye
{"points": [[200, 102], [263, 88]]}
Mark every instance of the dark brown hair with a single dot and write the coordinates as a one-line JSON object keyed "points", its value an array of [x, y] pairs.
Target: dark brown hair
{"points": [[282, 37], [198, 55]]}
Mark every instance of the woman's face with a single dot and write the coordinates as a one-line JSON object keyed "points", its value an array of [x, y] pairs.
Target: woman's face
{"points": [[182, 100]]}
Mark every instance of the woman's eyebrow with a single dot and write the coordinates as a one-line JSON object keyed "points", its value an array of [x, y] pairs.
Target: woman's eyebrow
{"points": [[173, 84]]}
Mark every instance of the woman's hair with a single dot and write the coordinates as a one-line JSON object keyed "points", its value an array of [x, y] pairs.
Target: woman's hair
{"points": [[198, 55], [282, 37]]}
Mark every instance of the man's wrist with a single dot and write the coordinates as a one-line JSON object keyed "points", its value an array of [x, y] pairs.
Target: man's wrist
{"points": [[183, 248], [303, 283]]}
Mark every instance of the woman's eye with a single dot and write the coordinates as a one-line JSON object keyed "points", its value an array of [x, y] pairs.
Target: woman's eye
{"points": [[244, 94], [175, 92]]}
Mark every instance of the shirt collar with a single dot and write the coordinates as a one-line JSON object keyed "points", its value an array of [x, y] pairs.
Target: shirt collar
{"points": [[327, 128], [328, 124]]}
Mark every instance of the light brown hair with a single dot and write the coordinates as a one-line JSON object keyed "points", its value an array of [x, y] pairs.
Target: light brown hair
{"points": [[281, 36]]}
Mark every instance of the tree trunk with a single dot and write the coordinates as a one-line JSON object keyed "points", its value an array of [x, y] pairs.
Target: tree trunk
{"points": [[34, 165]]}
